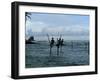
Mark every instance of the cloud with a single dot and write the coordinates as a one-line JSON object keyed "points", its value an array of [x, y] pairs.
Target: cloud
{"points": [[76, 28], [43, 28], [53, 29], [34, 26], [67, 30]]}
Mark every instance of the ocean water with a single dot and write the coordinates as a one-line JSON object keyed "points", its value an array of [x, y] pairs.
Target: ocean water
{"points": [[73, 53]]}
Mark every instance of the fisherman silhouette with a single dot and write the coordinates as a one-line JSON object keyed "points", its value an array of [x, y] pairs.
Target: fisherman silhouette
{"points": [[51, 44], [61, 44], [58, 45]]}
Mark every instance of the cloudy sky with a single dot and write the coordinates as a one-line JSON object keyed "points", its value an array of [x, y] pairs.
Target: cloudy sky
{"points": [[69, 25]]}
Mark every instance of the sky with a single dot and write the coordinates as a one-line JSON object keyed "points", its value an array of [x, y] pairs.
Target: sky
{"points": [[69, 25]]}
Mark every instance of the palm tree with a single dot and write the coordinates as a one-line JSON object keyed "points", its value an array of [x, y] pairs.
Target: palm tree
{"points": [[27, 16]]}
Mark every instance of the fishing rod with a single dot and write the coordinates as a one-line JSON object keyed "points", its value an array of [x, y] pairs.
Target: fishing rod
{"points": [[60, 36], [48, 38]]}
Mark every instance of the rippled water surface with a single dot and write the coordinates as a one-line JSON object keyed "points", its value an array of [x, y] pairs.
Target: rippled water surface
{"points": [[73, 53]]}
